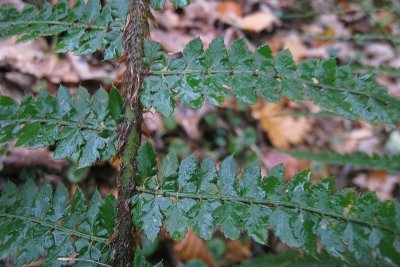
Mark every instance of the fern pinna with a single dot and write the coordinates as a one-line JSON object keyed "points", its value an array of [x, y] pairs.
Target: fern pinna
{"points": [[45, 224], [83, 126], [37, 223]]}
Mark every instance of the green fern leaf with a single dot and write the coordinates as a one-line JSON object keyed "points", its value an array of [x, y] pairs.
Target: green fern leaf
{"points": [[390, 164], [88, 26], [217, 73], [357, 229], [39, 224], [79, 125]]}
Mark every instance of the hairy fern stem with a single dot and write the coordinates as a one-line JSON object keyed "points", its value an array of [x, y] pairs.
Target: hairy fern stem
{"points": [[129, 134]]}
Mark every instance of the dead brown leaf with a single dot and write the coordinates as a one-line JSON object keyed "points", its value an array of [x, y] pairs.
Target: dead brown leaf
{"points": [[32, 57], [229, 8], [193, 247], [281, 129], [257, 21], [296, 47]]}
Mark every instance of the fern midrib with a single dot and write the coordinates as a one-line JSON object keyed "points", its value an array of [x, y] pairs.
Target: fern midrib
{"points": [[54, 226], [59, 123], [244, 72], [63, 23], [265, 202]]}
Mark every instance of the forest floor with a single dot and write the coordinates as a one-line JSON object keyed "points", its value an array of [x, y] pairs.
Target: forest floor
{"points": [[362, 34]]}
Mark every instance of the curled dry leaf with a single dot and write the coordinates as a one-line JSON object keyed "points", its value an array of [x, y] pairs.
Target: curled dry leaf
{"points": [[282, 129], [193, 247]]}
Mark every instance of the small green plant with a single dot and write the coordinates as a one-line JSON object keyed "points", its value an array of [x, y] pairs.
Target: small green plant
{"points": [[39, 223]]}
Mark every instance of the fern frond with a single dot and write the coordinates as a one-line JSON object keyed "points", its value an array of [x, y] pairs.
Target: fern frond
{"points": [[357, 229], [390, 164], [81, 126], [36, 223], [88, 26], [215, 74]]}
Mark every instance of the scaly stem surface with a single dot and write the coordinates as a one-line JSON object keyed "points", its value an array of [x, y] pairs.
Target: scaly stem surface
{"points": [[129, 134]]}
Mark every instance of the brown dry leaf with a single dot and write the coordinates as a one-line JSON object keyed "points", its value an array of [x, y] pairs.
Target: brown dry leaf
{"points": [[296, 47], [237, 250], [64, 72], [35, 58], [32, 57], [229, 8], [193, 247], [380, 182], [231, 13], [258, 21], [282, 130]]}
